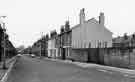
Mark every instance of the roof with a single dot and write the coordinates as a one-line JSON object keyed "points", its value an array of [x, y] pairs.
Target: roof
{"points": [[121, 39], [93, 20], [65, 32]]}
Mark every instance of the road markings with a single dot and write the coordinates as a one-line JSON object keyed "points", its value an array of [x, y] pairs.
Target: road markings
{"points": [[104, 71]]}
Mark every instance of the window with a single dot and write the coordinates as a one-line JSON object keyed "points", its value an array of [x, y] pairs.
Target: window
{"points": [[67, 51], [105, 44]]}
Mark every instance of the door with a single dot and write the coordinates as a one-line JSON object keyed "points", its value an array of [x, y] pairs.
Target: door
{"points": [[63, 54]]}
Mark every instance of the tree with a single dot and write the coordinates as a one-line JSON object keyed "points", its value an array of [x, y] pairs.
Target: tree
{"points": [[1, 35]]}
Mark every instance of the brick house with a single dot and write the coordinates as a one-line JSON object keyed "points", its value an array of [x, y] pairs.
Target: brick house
{"points": [[63, 41], [39, 48]]}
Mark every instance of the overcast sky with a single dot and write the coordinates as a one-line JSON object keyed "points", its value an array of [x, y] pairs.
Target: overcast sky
{"points": [[26, 19]]}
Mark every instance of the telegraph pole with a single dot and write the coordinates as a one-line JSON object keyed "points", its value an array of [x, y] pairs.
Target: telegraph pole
{"points": [[4, 57], [4, 43]]}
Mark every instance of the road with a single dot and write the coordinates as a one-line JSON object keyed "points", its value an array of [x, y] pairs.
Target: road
{"points": [[29, 69]]}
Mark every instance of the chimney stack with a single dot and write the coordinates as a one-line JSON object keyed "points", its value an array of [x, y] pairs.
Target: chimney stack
{"points": [[82, 16], [53, 33], [62, 29], [101, 18], [67, 26]]}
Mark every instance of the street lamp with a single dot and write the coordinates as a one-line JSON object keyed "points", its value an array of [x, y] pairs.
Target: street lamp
{"points": [[4, 55]]}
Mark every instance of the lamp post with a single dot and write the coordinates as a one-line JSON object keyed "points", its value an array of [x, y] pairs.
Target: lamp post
{"points": [[4, 54]]}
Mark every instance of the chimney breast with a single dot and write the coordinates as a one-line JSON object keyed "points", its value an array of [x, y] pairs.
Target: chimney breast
{"points": [[67, 26], [101, 18], [82, 16]]}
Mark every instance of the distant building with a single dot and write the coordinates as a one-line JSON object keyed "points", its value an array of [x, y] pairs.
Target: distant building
{"points": [[35, 48], [39, 48], [124, 41]]}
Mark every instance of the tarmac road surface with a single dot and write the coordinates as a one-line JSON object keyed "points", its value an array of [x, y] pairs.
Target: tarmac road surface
{"points": [[29, 69]]}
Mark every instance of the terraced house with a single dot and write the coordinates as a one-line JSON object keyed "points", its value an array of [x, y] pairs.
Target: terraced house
{"points": [[63, 41], [10, 50], [74, 43], [39, 48], [52, 50]]}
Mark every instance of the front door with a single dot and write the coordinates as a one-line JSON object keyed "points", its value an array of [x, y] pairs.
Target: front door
{"points": [[63, 54]]}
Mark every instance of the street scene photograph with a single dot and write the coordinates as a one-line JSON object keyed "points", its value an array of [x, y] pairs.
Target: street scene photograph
{"points": [[67, 41]]}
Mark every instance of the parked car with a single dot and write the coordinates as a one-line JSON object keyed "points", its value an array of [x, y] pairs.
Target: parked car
{"points": [[19, 55], [32, 55]]}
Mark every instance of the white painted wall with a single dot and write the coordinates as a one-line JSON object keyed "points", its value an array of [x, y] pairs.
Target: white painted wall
{"points": [[52, 51], [90, 32]]}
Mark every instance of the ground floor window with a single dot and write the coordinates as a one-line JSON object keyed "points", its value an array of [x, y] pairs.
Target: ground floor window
{"points": [[67, 51], [59, 52]]}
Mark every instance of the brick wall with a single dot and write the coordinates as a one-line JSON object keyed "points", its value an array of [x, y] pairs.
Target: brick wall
{"points": [[78, 55], [118, 58], [110, 57]]}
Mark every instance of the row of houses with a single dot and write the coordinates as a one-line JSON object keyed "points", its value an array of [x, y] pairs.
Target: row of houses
{"points": [[72, 42], [6, 45], [88, 41], [39, 47], [124, 41]]}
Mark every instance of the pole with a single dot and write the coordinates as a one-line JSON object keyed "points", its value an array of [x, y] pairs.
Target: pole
{"points": [[4, 56]]}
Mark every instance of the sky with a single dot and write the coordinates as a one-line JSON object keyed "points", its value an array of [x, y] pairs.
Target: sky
{"points": [[28, 19]]}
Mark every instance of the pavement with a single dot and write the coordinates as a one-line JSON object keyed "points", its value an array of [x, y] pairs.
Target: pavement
{"points": [[4, 73], [90, 65], [29, 69]]}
